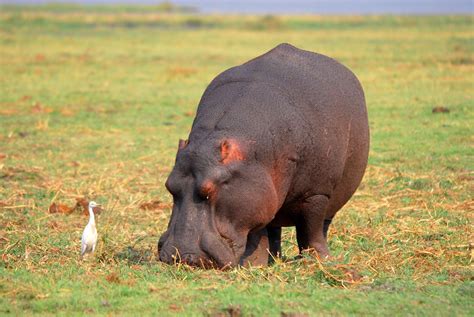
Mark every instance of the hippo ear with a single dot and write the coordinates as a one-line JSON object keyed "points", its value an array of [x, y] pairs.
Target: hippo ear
{"points": [[182, 144], [230, 151]]}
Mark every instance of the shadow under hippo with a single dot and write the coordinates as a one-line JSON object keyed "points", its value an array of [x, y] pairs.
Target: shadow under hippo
{"points": [[281, 140]]}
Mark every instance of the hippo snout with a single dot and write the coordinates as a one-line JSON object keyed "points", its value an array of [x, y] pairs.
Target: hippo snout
{"points": [[171, 252], [209, 253]]}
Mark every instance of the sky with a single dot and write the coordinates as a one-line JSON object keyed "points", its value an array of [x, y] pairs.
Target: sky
{"points": [[303, 6]]}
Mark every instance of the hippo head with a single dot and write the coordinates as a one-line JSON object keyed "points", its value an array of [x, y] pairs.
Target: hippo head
{"points": [[221, 195]]}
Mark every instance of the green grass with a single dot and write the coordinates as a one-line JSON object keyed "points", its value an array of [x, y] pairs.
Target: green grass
{"points": [[92, 104]]}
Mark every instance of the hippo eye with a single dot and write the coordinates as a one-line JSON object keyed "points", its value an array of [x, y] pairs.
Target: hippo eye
{"points": [[203, 196], [206, 190]]}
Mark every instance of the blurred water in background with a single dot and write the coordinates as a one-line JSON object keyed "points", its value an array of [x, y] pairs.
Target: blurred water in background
{"points": [[302, 6]]}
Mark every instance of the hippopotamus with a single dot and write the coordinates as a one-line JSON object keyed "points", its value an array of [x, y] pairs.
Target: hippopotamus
{"points": [[281, 140]]}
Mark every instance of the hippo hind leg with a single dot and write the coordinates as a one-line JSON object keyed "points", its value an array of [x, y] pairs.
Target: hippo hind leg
{"points": [[311, 226]]}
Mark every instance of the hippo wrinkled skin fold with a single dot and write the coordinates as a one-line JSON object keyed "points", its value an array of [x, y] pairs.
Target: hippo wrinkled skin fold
{"points": [[281, 140]]}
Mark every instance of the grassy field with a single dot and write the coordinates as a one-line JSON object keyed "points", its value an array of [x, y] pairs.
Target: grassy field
{"points": [[92, 106]]}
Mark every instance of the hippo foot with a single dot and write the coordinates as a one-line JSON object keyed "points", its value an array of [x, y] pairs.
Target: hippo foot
{"points": [[321, 255]]}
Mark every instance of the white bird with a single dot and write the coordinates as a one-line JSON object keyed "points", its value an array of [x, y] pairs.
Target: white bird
{"points": [[89, 235]]}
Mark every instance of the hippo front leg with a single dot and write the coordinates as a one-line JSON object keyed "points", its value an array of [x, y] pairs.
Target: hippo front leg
{"points": [[310, 226], [274, 241], [257, 249]]}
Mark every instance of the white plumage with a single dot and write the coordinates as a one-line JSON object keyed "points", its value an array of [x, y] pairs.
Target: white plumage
{"points": [[89, 235]]}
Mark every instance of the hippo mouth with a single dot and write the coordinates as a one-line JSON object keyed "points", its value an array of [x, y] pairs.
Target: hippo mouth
{"points": [[220, 250], [215, 252]]}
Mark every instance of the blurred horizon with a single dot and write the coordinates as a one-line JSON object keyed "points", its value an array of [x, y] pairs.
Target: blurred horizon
{"points": [[404, 7]]}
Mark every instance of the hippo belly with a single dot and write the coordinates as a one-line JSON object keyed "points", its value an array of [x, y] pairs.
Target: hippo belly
{"points": [[281, 140]]}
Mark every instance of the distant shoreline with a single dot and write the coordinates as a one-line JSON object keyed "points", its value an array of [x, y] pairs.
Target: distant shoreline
{"points": [[262, 7]]}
